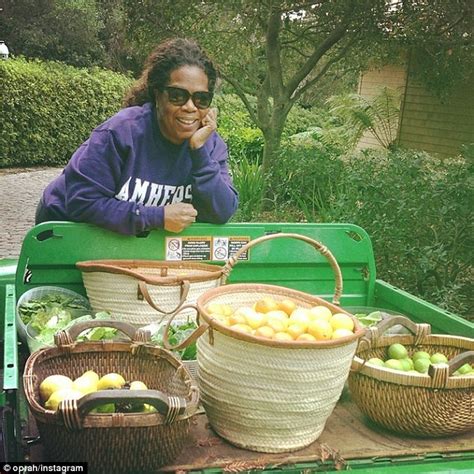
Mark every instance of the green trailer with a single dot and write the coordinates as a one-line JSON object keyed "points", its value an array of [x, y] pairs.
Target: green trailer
{"points": [[48, 257]]}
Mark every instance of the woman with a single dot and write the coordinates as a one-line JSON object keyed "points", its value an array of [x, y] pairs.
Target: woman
{"points": [[159, 162]]}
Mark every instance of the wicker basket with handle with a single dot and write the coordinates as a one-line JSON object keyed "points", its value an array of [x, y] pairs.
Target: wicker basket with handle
{"points": [[134, 290], [433, 404], [114, 442], [263, 394]]}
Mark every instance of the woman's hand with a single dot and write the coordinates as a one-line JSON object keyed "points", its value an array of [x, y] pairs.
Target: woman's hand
{"points": [[209, 124], [178, 216]]}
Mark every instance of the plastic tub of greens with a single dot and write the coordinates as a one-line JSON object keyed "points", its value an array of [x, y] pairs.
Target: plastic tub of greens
{"points": [[370, 316]]}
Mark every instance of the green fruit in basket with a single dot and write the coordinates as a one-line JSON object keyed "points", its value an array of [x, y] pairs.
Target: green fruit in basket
{"points": [[422, 364], [105, 408], [149, 408], [438, 358], [397, 351], [407, 364], [52, 384], [465, 369], [111, 380], [394, 364], [376, 361], [420, 355], [64, 394]]}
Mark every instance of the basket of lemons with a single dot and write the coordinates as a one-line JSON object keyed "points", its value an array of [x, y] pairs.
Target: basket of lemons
{"points": [[102, 402], [272, 360], [418, 384]]}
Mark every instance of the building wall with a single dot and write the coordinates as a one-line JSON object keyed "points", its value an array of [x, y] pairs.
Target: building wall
{"points": [[370, 84], [426, 122], [437, 126]]}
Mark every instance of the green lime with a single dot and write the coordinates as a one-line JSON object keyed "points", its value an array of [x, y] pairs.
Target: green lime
{"points": [[105, 408], [397, 351], [422, 364], [394, 364], [407, 364], [438, 358], [420, 355], [465, 369], [376, 361]]}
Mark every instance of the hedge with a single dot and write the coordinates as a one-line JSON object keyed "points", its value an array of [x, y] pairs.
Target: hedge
{"points": [[48, 109]]}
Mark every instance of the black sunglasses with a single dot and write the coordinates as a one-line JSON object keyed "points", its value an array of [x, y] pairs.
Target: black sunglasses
{"points": [[178, 96]]}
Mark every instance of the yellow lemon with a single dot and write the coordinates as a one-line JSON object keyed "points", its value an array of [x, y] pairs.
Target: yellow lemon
{"points": [[256, 320], [227, 310], [138, 385], [64, 394], [52, 384], [306, 338], [288, 306], [215, 308], [241, 327], [111, 380], [322, 312], [277, 314], [341, 320], [237, 318], [277, 325], [296, 329], [266, 304], [341, 332], [90, 374], [320, 329], [85, 384], [282, 336], [300, 316], [265, 331]]}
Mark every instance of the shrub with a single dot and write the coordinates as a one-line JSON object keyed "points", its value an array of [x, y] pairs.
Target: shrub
{"points": [[415, 207], [48, 109]]}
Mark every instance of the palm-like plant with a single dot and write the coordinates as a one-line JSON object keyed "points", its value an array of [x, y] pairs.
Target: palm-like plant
{"points": [[379, 115]]}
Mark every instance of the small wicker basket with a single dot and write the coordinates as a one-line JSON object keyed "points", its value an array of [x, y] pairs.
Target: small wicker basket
{"points": [[262, 394], [115, 442], [433, 404], [134, 290]]}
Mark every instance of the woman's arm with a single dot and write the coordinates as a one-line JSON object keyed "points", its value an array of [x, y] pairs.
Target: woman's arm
{"points": [[214, 197], [92, 178]]}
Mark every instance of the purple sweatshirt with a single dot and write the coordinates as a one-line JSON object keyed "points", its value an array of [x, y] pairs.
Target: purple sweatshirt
{"points": [[124, 174]]}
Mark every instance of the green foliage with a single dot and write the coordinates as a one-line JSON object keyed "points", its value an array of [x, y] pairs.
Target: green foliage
{"points": [[48, 109], [379, 115], [415, 207]]}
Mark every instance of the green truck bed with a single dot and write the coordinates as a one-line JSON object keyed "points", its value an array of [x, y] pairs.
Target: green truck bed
{"points": [[48, 257]]}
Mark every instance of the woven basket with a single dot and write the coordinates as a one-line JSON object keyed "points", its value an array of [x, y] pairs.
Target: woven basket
{"points": [[134, 290], [267, 395], [436, 404], [117, 442]]}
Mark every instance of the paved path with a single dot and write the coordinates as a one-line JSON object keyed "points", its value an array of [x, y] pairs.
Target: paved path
{"points": [[20, 190]]}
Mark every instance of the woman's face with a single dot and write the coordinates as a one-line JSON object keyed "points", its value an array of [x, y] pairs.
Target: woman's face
{"points": [[179, 122]]}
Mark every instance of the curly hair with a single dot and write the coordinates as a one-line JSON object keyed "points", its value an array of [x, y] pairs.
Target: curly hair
{"points": [[162, 61]]}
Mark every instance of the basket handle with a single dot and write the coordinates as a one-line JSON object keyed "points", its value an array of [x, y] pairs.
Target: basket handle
{"points": [[73, 411], [322, 249], [374, 333], [198, 332], [66, 337], [142, 292], [440, 373]]}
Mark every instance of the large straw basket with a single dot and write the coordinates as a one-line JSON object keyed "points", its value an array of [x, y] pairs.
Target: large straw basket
{"points": [[114, 442], [262, 394], [134, 290], [433, 404]]}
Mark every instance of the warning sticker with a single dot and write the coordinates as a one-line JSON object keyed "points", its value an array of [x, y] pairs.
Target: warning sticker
{"points": [[204, 248]]}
